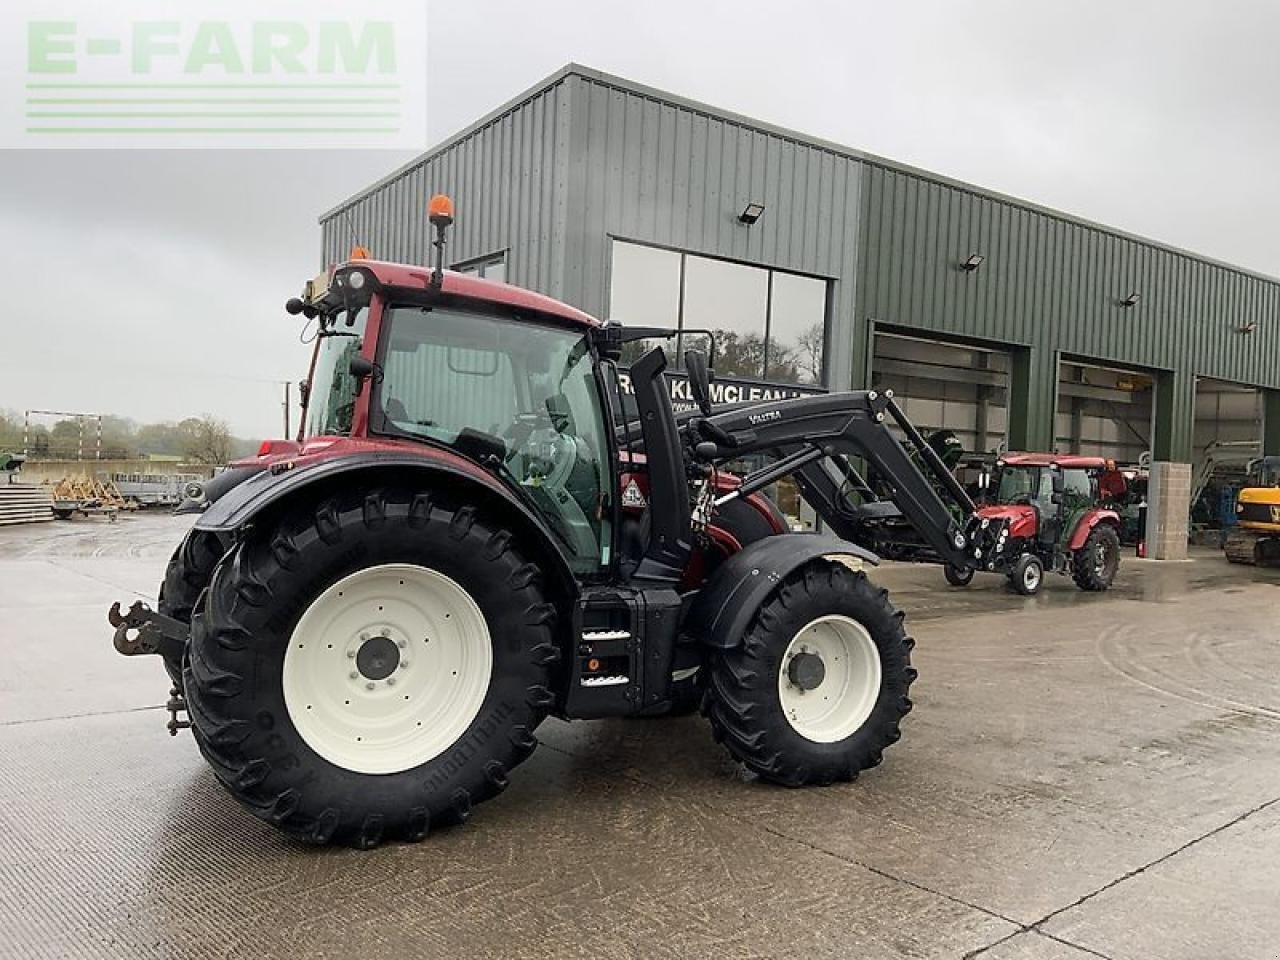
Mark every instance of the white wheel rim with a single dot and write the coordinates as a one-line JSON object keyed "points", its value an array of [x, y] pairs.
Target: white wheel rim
{"points": [[335, 690], [1031, 576], [841, 703]]}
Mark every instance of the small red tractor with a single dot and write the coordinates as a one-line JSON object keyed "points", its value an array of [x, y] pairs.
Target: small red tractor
{"points": [[1056, 518], [366, 624]]}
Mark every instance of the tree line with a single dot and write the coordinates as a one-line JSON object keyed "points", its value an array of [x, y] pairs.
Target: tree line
{"points": [[205, 439]]}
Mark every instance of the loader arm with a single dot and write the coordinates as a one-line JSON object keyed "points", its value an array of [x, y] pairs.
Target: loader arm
{"points": [[814, 436]]}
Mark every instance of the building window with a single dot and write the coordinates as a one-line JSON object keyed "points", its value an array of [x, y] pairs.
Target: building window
{"points": [[769, 325], [493, 267]]}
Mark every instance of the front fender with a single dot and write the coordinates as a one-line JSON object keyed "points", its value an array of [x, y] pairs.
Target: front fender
{"points": [[723, 609], [1088, 522], [270, 490]]}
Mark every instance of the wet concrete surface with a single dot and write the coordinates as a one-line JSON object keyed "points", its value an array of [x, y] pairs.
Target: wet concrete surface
{"points": [[1083, 775]]}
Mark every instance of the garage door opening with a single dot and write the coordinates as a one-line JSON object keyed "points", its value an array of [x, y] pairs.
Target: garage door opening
{"points": [[1104, 412], [1228, 434], [946, 386]]}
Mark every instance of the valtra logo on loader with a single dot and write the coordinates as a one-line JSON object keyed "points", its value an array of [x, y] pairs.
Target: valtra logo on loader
{"points": [[367, 623]]}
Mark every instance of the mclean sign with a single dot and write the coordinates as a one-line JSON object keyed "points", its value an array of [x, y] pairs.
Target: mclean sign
{"points": [[725, 390]]}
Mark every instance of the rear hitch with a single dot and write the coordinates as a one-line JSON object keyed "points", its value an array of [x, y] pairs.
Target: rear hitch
{"points": [[140, 630]]}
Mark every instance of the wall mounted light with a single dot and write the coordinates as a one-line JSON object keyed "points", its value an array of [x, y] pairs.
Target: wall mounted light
{"points": [[973, 263], [752, 213], [1130, 301], [1247, 328]]}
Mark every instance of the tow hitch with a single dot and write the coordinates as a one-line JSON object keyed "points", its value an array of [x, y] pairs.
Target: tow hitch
{"points": [[140, 630]]}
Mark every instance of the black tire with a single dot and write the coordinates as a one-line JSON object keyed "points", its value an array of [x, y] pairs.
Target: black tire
{"points": [[188, 573], [1094, 565], [742, 700], [957, 576], [1027, 575], [239, 637]]}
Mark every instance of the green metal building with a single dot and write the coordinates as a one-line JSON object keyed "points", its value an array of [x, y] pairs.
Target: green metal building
{"points": [[1007, 322]]}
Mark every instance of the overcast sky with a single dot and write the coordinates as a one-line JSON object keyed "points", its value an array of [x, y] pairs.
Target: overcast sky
{"points": [[150, 284]]}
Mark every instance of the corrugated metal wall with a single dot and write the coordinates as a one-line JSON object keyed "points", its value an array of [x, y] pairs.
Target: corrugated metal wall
{"points": [[658, 171], [506, 176], [1054, 284]]}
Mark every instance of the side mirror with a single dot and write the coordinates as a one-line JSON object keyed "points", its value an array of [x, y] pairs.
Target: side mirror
{"points": [[695, 365], [363, 369]]}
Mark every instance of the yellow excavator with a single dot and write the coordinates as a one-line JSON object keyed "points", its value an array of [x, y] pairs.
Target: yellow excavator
{"points": [[1256, 538]]}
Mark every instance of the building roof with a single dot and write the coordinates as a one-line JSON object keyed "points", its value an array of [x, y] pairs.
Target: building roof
{"points": [[631, 86]]}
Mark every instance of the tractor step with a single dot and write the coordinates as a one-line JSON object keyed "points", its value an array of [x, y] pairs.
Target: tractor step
{"points": [[604, 681], [622, 664]]}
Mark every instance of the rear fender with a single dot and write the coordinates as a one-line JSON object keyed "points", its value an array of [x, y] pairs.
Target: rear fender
{"points": [[1090, 520], [723, 609], [264, 495]]}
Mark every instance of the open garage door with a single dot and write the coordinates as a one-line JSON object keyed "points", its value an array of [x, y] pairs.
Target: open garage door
{"points": [[1228, 434], [946, 386], [1104, 411]]}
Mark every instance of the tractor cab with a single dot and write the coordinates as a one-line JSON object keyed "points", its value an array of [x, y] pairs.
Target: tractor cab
{"points": [[496, 380]]}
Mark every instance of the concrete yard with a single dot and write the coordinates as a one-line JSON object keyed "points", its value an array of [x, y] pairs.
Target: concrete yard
{"points": [[1083, 775]]}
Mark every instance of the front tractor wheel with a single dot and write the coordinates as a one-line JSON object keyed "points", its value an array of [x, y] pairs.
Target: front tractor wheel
{"points": [[817, 688], [957, 576], [1094, 565], [371, 667], [1027, 575]]}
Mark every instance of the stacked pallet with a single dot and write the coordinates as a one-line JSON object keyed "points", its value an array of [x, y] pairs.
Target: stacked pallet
{"points": [[24, 502]]}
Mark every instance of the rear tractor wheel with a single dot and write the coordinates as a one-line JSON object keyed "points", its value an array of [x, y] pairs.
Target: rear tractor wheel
{"points": [[1094, 565], [189, 571], [372, 667], [817, 688]]}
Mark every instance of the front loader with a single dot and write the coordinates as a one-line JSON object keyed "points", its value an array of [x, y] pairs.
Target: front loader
{"points": [[366, 624]]}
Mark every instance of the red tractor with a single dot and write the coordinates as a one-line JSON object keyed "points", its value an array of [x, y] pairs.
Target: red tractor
{"points": [[1054, 511], [366, 625]]}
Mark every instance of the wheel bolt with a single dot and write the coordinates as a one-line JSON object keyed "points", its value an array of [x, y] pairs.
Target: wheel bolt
{"points": [[351, 654], [390, 681], [354, 675], [364, 635], [404, 664], [401, 644], [370, 685]]}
